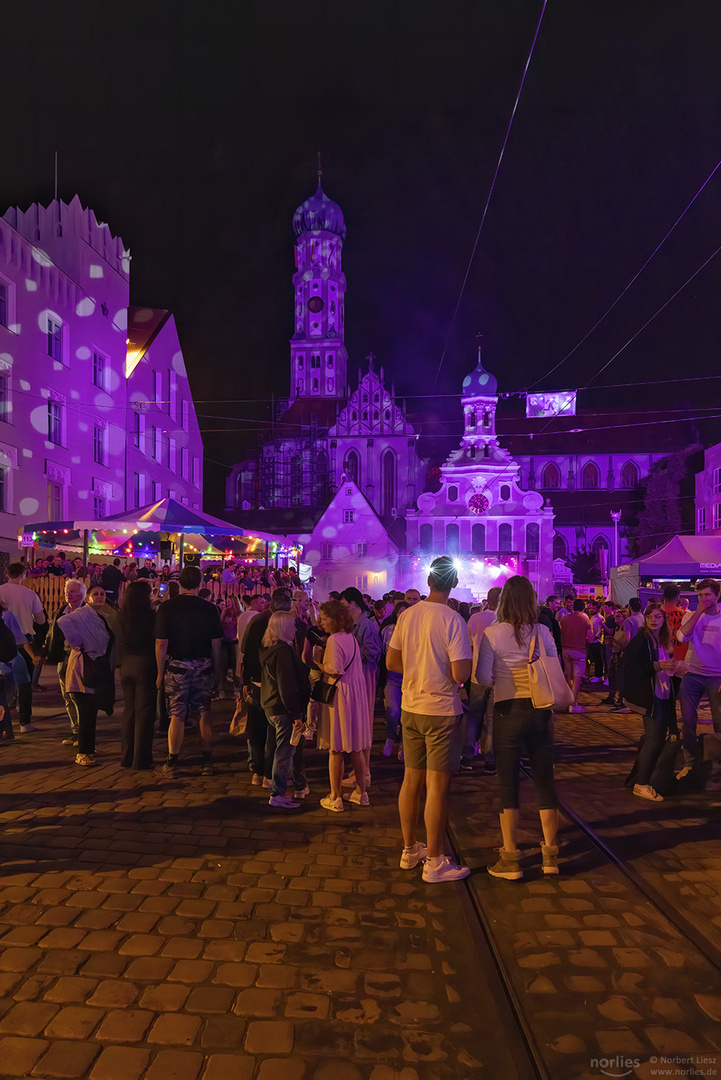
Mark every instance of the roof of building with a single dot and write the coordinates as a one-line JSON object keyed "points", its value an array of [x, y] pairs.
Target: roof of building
{"points": [[319, 212], [595, 430], [480, 383], [591, 506], [144, 325], [307, 413]]}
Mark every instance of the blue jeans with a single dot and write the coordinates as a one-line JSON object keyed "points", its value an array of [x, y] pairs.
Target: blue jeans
{"points": [[516, 724], [693, 688], [287, 759], [392, 702]]}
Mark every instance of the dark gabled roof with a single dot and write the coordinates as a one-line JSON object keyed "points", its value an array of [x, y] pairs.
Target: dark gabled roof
{"points": [[598, 432], [306, 412], [592, 506], [288, 521]]}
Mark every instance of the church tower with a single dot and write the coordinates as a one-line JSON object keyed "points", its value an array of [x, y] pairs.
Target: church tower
{"points": [[318, 357]]}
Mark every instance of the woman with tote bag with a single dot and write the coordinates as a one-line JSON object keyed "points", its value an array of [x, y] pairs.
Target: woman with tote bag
{"points": [[505, 661]]}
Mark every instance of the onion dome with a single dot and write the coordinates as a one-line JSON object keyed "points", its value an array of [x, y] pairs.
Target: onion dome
{"points": [[319, 212], [480, 383]]}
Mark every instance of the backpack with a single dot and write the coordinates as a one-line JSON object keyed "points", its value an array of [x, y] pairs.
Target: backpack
{"points": [[8, 648]]}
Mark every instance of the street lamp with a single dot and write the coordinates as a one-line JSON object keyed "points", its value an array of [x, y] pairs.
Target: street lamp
{"points": [[616, 515]]}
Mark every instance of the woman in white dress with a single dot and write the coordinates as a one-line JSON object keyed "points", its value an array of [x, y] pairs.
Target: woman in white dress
{"points": [[344, 726]]}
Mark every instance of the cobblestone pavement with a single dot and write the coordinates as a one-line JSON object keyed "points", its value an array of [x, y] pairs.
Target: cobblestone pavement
{"points": [[600, 972], [181, 930], [185, 930]]}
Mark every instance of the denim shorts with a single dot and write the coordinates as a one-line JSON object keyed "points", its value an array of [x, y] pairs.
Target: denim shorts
{"points": [[189, 687]]}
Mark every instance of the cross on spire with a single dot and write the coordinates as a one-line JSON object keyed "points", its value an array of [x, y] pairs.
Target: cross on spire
{"points": [[370, 358], [320, 169]]}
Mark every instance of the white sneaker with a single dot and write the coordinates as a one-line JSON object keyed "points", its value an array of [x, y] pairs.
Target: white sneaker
{"points": [[26, 729], [411, 857], [336, 805], [388, 748], [645, 791], [444, 870], [357, 797], [283, 802], [576, 708]]}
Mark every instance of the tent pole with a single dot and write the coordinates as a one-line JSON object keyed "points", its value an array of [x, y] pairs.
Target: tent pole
{"points": [[181, 541], [267, 544], [86, 548]]}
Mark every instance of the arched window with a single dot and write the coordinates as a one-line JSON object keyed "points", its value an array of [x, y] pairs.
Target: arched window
{"points": [[505, 537], [478, 539], [629, 475], [505, 492], [589, 475], [550, 477], [560, 547], [472, 419], [599, 543], [486, 418], [452, 493], [388, 482], [453, 541], [472, 452], [351, 466], [533, 540], [426, 537]]}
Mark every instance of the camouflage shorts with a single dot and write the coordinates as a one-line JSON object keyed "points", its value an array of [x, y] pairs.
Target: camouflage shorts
{"points": [[188, 687]]}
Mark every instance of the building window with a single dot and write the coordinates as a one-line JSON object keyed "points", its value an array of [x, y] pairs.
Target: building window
{"points": [[560, 548], [157, 491], [196, 472], [4, 471], [3, 304], [154, 443], [99, 370], [533, 540], [702, 520], [136, 430], [158, 387], [453, 541], [55, 338], [362, 549], [185, 414], [478, 539], [505, 537], [55, 501], [550, 477], [426, 537], [98, 507], [629, 475], [171, 454], [4, 396], [452, 493], [326, 551], [717, 515], [315, 361], [361, 582], [388, 481], [589, 476], [137, 489], [99, 444], [55, 426], [184, 462], [505, 492], [348, 517], [351, 466], [717, 481]]}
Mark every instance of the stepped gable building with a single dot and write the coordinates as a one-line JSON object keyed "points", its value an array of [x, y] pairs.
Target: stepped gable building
{"points": [[96, 413], [324, 431]]}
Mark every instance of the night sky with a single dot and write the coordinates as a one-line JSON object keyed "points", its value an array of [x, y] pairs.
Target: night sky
{"points": [[192, 129]]}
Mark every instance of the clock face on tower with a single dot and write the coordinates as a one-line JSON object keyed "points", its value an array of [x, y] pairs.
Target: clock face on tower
{"points": [[478, 504], [315, 304]]}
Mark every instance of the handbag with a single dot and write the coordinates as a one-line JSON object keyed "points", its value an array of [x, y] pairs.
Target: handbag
{"points": [[324, 692], [549, 689]]}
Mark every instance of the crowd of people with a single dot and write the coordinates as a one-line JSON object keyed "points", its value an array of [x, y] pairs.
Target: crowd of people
{"points": [[454, 682]]}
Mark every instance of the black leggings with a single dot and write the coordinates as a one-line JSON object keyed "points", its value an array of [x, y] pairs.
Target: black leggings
{"points": [[516, 724]]}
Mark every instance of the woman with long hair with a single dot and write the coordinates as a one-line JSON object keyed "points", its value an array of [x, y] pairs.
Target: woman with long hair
{"points": [[345, 725], [229, 612], [284, 696], [503, 662], [369, 642], [648, 689], [138, 673]]}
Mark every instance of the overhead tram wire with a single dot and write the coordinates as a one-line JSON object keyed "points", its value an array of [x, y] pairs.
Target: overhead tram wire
{"points": [[631, 282], [488, 200]]}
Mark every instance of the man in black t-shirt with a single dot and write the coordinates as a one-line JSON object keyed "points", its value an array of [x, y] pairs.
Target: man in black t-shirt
{"points": [[112, 578], [188, 637], [147, 570]]}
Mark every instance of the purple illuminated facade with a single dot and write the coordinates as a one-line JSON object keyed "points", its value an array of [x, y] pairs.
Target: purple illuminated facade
{"points": [[85, 380]]}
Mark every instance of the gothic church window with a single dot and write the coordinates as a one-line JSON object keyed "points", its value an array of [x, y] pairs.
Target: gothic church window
{"points": [[550, 477], [629, 475], [388, 480], [589, 475], [560, 548], [351, 466]]}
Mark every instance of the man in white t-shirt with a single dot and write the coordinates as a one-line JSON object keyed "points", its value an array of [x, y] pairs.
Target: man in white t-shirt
{"points": [[702, 629], [27, 609], [479, 721], [431, 649]]}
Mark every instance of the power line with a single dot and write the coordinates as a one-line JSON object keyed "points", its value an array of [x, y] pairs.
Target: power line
{"points": [[490, 194], [631, 282]]}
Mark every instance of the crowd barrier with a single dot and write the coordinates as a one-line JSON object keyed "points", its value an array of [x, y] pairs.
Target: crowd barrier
{"points": [[51, 589]]}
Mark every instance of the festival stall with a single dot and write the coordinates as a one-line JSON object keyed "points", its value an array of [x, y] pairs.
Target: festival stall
{"points": [[683, 559]]}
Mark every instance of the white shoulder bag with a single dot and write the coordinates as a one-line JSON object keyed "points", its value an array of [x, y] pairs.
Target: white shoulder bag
{"points": [[549, 689]]}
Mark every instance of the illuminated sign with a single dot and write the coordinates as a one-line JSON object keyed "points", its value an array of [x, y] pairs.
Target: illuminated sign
{"points": [[554, 403]]}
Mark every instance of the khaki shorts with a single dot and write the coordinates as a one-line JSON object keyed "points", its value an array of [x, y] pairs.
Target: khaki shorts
{"points": [[432, 742], [574, 663]]}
